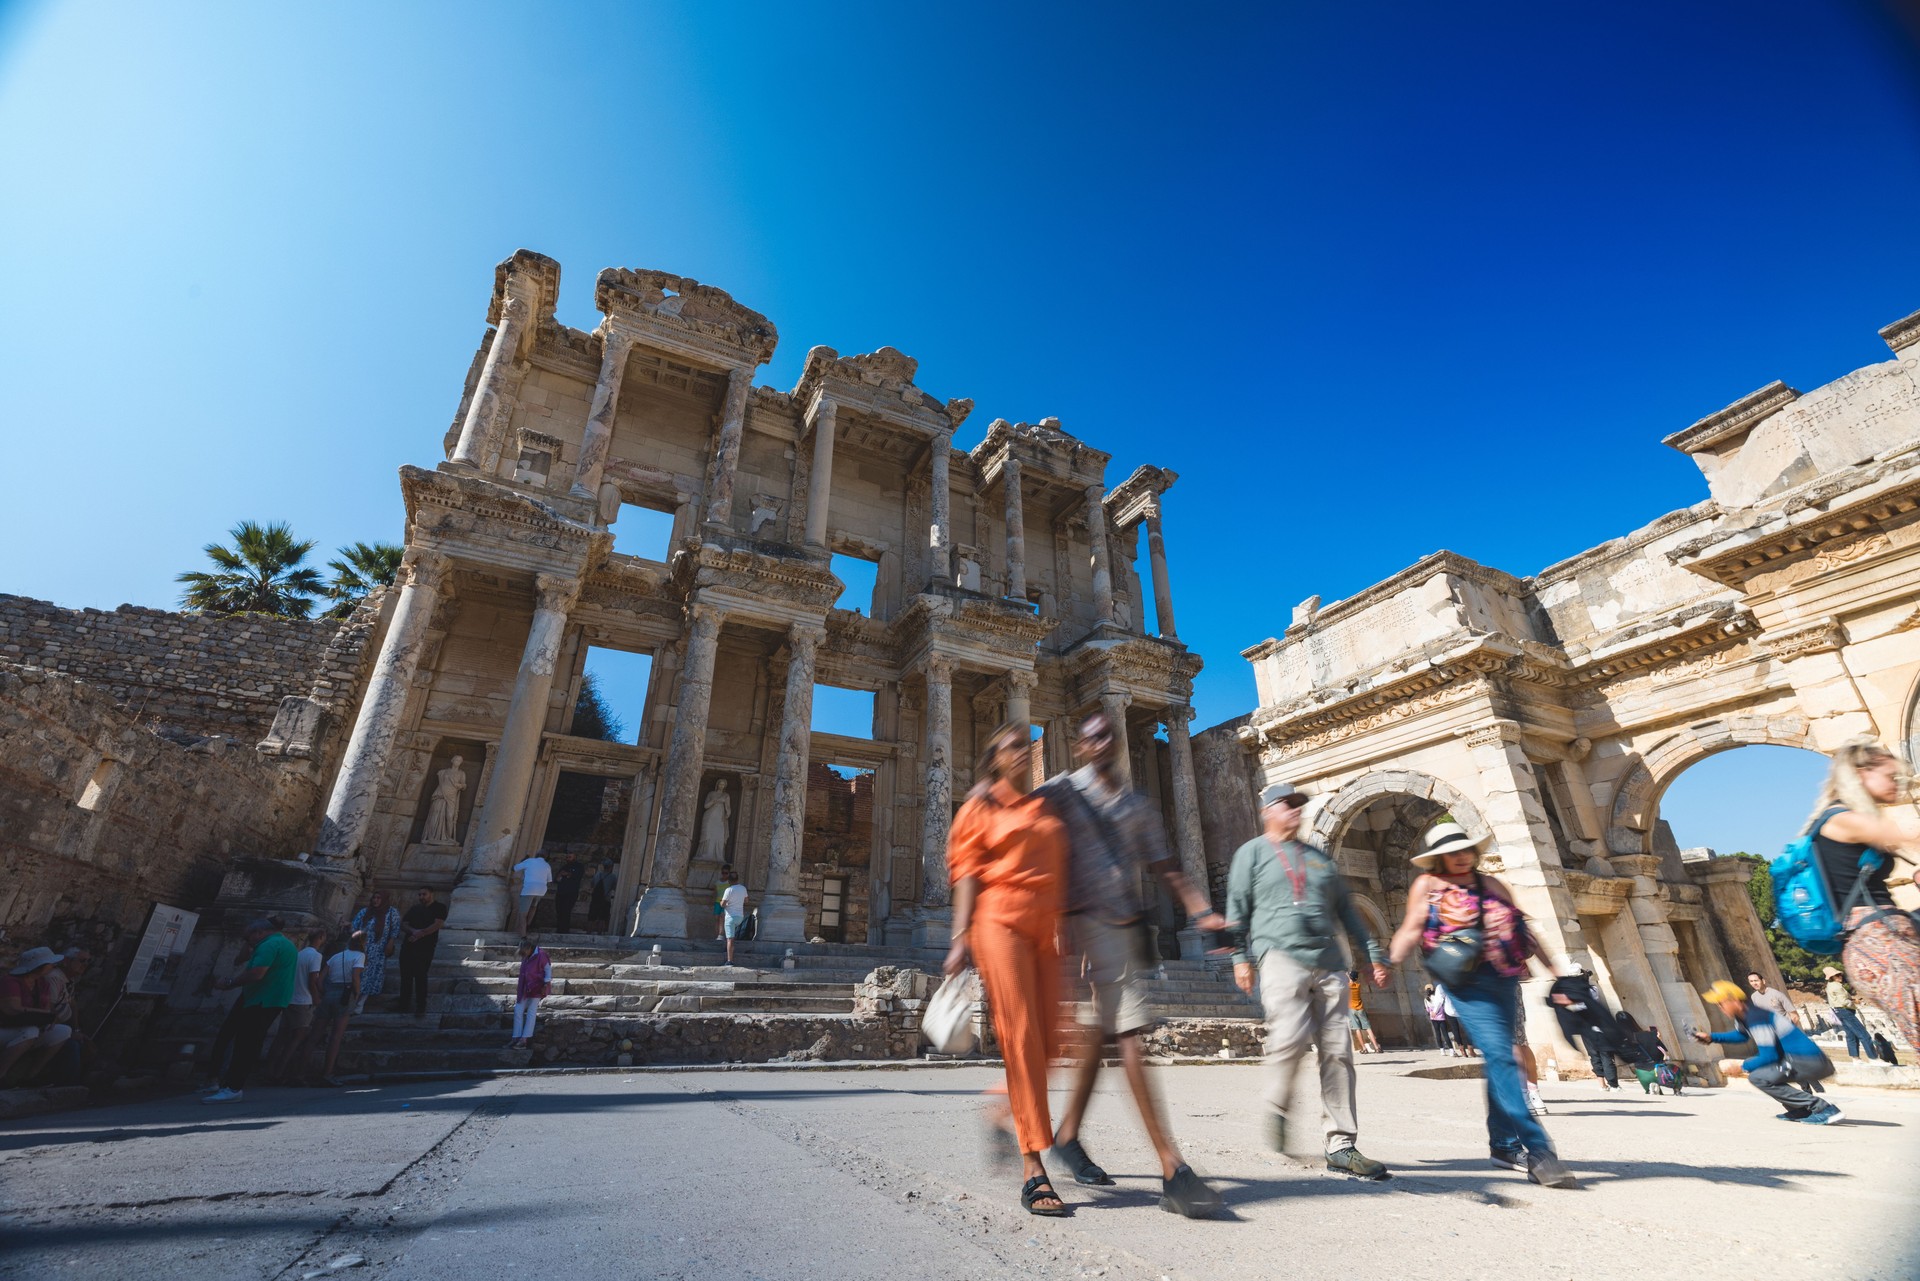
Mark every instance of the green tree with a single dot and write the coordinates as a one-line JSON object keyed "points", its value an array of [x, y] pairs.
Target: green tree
{"points": [[593, 718], [1797, 965], [360, 569], [264, 572]]}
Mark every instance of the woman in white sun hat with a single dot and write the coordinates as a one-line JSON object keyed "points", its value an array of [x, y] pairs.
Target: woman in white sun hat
{"points": [[1474, 940]]}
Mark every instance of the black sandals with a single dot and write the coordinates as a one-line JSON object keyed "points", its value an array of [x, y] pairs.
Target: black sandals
{"points": [[1040, 1188]]}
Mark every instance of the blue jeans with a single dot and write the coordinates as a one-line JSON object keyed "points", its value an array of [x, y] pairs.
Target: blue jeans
{"points": [[1857, 1034], [1488, 1006]]}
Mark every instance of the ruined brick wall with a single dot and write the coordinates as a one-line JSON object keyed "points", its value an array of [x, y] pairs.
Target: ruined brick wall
{"points": [[100, 818], [206, 674]]}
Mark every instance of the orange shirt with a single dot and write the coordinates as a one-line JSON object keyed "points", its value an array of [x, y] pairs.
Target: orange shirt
{"points": [[1015, 847]]}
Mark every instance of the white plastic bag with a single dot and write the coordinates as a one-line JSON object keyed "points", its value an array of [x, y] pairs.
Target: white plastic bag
{"points": [[948, 1020]]}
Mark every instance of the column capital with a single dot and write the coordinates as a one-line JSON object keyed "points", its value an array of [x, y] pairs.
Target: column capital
{"points": [[424, 567], [706, 616], [1176, 718], [615, 343], [1492, 734], [807, 635], [1023, 680], [825, 410], [1096, 493], [939, 668], [556, 592], [1125, 700], [1150, 511], [514, 308]]}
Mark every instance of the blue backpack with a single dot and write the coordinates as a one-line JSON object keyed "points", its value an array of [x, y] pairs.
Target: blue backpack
{"points": [[1803, 901]]}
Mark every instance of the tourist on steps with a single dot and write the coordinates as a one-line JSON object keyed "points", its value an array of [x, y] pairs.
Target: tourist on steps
{"points": [[1840, 998], [1785, 1059], [1115, 839], [1449, 900], [266, 988], [379, 920], [733, 914], [1007, 857], [1288, 900], [1882, 953], [340, 981], [536, 981]]}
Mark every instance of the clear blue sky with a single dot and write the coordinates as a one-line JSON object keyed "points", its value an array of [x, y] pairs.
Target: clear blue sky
{"points": [[1376, 279]]}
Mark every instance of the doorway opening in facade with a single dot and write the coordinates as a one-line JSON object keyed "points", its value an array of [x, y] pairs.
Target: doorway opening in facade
{"points": [[645, 533], [586, 825], [1372, 848], [861, 577], [843, 711], [836, 851], [612, 704]]}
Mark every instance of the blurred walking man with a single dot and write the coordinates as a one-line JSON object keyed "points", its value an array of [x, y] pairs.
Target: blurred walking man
{"points": [[1115, 839]]}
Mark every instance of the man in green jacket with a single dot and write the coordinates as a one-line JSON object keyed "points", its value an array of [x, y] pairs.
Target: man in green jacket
{"points": [[1287, 900]]}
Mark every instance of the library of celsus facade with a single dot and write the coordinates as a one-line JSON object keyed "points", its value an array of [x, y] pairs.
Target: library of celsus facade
{"points": [[1552, 712], [1004, 589]]}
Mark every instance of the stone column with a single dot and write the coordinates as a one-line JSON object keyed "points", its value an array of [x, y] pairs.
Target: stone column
{"points": [[820, 483], [598, 437], [1162, 592], [1016, 530], [1647, 910], [480, 900], [356, 787], [940, 535], [781, 916], [1019, 709], [471, 448], [1530, 864], [1097, 534], [1114, 707], [726, 451], [663, 910], [932, 927], [1728, 910], [1186, 800]]}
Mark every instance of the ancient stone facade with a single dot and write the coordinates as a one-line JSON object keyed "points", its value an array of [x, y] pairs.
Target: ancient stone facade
{"points": [[1552, 712], [1003, 591]]}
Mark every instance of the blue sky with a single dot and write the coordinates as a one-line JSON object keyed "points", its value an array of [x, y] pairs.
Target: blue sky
{"points": [[1376, 279]]}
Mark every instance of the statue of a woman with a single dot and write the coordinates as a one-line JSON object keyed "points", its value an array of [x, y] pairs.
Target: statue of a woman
{"points": [[713, 824], [443, 812]]}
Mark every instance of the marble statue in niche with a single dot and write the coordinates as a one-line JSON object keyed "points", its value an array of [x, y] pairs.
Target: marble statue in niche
{"points": [[443, 811], [714, 817]]}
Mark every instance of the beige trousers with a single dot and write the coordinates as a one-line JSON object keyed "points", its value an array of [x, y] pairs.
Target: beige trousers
{"points": [[1309, 1008]]}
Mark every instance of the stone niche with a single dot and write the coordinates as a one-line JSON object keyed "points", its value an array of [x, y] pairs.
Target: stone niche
{"points": [[703, 869], [440, 861]]}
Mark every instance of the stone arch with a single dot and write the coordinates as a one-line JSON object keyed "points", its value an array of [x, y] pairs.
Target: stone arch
{"points": [[1636, 801], [1909, 745], [1339, 808]]}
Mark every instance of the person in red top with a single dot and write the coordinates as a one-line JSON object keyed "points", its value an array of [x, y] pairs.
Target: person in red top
{"points": [[1007, 859]]}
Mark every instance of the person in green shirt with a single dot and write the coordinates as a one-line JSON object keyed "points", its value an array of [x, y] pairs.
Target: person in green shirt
{"points": [[1288, 901], [266, 989]]}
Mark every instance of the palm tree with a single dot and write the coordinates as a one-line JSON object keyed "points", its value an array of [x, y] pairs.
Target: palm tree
{"points": [[262, 573], [361, 568]]}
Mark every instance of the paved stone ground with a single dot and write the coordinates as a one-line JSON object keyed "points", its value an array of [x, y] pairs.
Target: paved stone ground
{"points": [[856, 1174]]}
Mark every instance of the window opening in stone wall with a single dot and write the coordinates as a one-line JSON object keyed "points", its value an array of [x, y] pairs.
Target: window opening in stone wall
{"points": [[587, 822], [643, 532], [847, 712], [612, 705], [1553, 792], [94, 794], [836, 849], [860, 577], [1146, 609]]}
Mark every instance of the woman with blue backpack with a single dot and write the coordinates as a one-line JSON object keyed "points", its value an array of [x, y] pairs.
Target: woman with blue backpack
{"points": [[1837, 900]]}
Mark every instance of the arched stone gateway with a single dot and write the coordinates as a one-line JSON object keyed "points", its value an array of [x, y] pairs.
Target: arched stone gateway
{"points": [[1552, 712]]}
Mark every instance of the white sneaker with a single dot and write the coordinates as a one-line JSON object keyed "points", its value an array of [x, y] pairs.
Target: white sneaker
{"points": [[1536, 1105], [223, 1096]]}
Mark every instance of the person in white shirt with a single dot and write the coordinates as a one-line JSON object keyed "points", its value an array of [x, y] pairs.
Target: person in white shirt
{"points": [[339, 993], [535, 875], [296, 1025], [733, 908]]}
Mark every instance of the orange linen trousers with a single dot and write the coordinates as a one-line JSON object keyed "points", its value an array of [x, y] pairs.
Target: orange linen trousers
{"points": [[1016, 849]]}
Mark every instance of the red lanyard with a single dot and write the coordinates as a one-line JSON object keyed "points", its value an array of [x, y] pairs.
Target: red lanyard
{"points": [[1297, 875]]}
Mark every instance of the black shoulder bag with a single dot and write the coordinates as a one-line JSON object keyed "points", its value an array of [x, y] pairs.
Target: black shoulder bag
{"points": [[1456, 954]]}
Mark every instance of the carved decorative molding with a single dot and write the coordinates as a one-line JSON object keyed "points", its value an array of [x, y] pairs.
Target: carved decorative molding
{"points": [[1813, 638], [1837, 555], [1736, 419]]}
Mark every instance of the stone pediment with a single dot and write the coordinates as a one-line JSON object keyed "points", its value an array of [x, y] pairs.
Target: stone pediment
{"points": [[976, 631], [535, 277], [1138, 494], [879, 383], [741, 573], [1044, 450], [664, 306], [476, 519]]}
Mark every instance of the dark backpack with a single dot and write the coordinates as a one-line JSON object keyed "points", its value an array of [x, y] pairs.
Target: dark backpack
{"points": [[1884, 1049]]}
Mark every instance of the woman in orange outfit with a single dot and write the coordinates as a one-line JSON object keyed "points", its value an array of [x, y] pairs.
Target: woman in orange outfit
{"points": [[1008, 860]]}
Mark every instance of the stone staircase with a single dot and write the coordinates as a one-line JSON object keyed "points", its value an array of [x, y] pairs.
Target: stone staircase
{"points": [[616, 997]]}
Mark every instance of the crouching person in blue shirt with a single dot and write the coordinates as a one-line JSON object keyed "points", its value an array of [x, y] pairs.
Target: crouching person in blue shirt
{"points": [[1783, 1054]]}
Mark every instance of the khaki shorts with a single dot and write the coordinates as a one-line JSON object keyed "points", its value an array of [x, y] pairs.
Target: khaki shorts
{"points": [[1111, 966], [298, 1016]]}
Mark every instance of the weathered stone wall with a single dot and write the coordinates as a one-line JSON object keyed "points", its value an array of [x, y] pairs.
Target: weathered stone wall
{"points": [[1229, 809], [100, 818], [206, 674]]}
